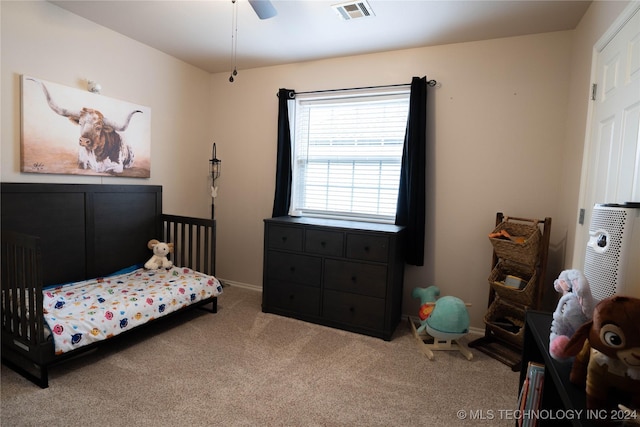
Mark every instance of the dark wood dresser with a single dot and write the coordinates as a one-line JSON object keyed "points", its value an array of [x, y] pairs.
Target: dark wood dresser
{"points": [[342, 274]]}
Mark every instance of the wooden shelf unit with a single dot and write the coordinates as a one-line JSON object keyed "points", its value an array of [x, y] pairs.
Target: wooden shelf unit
{"points": [[506, 345]]}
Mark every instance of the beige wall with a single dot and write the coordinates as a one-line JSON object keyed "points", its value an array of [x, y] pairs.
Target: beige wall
{"points": [[506, 131], [44, 41], [593, 25], [496, 137]]}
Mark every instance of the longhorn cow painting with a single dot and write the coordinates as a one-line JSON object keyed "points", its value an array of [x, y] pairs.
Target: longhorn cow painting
{"points": [[71, 131]]}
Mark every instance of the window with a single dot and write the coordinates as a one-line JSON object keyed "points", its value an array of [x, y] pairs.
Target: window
{"points": [[347, 152]]}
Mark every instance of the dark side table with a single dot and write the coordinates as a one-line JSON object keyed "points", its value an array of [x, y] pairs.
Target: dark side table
{"points": [[564, 402]]}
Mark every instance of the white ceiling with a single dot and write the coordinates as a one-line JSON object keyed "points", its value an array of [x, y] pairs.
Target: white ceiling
{"points": [[200, 32]]}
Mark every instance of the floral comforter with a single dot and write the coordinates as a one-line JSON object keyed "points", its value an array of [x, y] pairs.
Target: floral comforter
{"points": [[84, 312]]}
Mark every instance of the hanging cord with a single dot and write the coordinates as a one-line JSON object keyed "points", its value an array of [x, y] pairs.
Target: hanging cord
{"points": [[234, 40]]}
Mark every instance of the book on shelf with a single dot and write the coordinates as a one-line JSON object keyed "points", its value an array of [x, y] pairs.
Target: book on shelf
{"points": [[522, 398], [531, 395]]}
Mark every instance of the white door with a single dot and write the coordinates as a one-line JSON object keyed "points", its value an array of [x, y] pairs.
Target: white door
{"points": [[611, 173]]}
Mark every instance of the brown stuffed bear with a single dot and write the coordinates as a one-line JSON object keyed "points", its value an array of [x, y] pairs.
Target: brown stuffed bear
{"points": [[607, 351]]}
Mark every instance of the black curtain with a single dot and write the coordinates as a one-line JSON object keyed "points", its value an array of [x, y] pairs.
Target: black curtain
{"points": [[410, 211], [282, 197]]}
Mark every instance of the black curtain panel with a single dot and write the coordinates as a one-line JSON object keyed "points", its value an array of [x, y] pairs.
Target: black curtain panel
{"points": [[410, 211], [282, 197]]}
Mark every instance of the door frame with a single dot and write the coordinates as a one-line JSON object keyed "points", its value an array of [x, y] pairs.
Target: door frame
{"points": [[582, 230]]}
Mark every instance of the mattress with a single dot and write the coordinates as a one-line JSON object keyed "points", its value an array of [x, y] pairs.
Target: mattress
{"points": [[85, 312]]}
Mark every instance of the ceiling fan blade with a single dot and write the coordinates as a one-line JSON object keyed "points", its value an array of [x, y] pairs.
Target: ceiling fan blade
{"points": [[263, 8]]}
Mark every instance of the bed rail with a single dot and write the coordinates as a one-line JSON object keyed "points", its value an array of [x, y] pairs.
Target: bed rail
{"points": [[194, 242], [22, 289], [24, 345]]}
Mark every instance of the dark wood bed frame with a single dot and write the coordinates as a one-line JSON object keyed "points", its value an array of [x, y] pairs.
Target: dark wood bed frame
{"points": [[60, 233]]}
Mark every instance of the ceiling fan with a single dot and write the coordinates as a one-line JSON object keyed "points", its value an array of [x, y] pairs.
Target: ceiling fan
{"points": [[263, 8]]}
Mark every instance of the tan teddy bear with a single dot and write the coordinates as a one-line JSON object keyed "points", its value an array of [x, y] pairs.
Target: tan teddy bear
{"points": [[160, 252], [607, 350]]}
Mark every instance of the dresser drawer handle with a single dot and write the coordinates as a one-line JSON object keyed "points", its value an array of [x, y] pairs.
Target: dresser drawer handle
{"points": [[323, 244], [284, 239], [352, 309], [354, 279], [292, 269], [292, 297], [366, 248]]}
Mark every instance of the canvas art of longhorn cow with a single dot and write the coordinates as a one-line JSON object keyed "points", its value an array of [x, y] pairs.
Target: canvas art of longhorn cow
{"points": [[101, 146]]}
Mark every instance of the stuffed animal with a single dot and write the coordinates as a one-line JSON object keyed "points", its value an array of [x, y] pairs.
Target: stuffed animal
{"points": [[574, 308], [445, 315], [160, 252], [607, 353]]}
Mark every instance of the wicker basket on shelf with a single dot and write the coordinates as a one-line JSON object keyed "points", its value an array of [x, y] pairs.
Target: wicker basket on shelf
{"points": [[525, 295], [498, 314], [525, 252]]}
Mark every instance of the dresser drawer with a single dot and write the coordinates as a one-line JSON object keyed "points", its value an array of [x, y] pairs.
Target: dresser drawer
{"points": [[355, 277], [294, 298], [287, 238], [368, 247], [301, 269], [323, 242], [343, 274], [355, 310]]}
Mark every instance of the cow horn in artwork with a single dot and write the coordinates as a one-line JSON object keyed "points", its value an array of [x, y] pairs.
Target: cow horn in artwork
{"points": [[59, 110], [75, 115], [123, 127]]}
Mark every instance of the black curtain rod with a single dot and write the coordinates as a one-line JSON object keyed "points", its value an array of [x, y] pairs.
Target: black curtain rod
{"points": [[429, 83]]}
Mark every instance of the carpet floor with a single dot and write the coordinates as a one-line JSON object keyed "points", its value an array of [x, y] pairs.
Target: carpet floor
{"points": [[242, 367]]}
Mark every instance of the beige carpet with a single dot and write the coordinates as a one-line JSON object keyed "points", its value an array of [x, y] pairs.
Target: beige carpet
{"points": [[241, 367]]}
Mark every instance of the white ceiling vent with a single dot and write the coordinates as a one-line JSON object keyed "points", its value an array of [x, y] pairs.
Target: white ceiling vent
{"points": [[353, 10]]}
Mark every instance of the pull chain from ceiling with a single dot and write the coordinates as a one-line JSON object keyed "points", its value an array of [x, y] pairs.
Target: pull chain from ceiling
{"points": [[234, 40]]}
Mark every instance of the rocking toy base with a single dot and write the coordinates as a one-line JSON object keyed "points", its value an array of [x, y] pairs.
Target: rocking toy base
{"points": [[428, 344]]}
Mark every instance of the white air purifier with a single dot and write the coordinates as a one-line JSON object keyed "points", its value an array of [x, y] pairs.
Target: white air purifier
{"points": [[612, 258]]}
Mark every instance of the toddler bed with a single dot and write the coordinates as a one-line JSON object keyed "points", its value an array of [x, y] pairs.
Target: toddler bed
{"points": [[72, 269]]}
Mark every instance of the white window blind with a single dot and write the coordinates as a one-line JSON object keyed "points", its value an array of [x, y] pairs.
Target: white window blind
{"points": [[347, 152]]}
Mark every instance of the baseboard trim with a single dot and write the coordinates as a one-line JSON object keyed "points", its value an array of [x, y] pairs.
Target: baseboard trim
{"points": [[476, 331], [249, 286], [256, 288]]}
